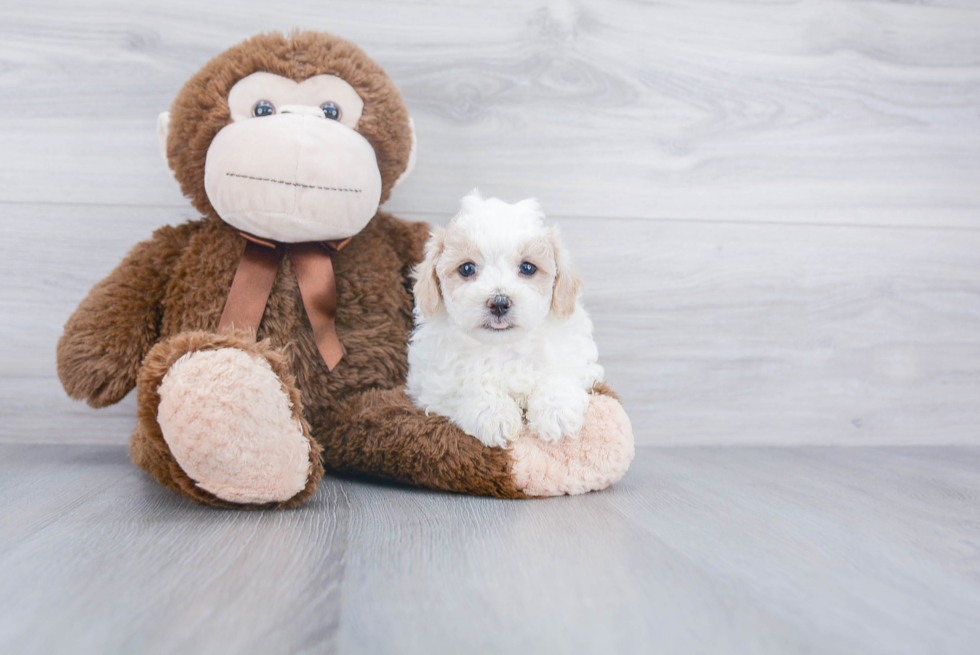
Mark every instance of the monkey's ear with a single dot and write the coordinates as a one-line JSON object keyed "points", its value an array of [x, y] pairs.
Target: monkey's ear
{"points": [[411, 155], [163, 128], [428, 296], [567, 282]]}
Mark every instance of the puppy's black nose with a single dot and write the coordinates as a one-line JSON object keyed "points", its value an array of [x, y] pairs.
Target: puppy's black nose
{"points": [[499, 305]]}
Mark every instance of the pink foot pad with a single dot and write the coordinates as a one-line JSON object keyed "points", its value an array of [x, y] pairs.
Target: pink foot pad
{"points": [[231, 427], [599, 457]]}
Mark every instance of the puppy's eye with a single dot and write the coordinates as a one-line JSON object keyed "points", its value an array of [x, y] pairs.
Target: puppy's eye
{"points": [[263, 108], [331, 110], [467, 269], [528, 269]]}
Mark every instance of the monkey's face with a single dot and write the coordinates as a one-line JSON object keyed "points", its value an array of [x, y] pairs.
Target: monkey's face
{"points": [[290, 138], [291, 165]]}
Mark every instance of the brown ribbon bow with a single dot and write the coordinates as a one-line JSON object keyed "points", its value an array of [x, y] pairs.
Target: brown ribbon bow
{"points": [[252, 286]]}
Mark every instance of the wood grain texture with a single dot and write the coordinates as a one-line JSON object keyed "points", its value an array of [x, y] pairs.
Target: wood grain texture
{"points": [[713, 333], [774, 205], [733, 550], [831, 111], [775, 209], [125, 568]]}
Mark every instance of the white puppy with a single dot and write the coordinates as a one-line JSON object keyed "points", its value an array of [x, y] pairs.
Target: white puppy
{"points": [[501, 336]]}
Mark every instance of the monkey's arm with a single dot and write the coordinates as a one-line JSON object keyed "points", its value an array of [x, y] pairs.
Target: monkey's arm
{"points": [[114, 327], [382, 435], [379, 433]]}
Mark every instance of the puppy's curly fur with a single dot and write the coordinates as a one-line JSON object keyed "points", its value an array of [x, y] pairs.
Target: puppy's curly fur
{"points": [[501, 336]]}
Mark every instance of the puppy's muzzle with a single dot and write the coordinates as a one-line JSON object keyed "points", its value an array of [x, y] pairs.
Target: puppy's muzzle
{"points": [[499, 305]]}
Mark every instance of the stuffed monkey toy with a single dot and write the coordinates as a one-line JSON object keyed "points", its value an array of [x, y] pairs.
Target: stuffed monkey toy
{"points": [[268, 340]]}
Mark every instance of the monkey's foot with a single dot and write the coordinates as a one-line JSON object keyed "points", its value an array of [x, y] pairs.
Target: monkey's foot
{"points": [[231, 427], [598, 458], [221, 422]]}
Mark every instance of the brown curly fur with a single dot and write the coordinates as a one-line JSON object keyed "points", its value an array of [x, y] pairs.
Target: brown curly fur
{"points": [[167, 296], [381, 438], [101, 367]]}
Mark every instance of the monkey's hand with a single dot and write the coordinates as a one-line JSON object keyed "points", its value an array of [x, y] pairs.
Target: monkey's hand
{"points": [[107, 337]]}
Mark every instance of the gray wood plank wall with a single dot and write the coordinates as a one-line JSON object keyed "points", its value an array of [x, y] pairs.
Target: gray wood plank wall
{"points": [[775, 206]]}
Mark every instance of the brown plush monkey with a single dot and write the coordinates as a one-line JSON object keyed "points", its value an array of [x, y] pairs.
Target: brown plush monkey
{"points": [[268, 339]]}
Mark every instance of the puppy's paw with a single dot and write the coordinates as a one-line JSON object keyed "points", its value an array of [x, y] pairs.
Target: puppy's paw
{"points": [[498, 429], [495, 421], [556, 413], [597, 459]]}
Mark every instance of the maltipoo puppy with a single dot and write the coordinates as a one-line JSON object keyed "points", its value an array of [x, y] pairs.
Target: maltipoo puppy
{"points": [[501, 337]]}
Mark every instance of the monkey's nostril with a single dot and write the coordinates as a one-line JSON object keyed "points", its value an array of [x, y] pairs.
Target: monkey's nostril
{"points": [[499, 305]]}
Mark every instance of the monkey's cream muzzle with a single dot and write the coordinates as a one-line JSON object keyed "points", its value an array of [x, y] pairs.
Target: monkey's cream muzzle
{"points": [[296, 176]]}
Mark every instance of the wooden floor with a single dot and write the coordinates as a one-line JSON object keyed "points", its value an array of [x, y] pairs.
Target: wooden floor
{"points": [[709, 550]]}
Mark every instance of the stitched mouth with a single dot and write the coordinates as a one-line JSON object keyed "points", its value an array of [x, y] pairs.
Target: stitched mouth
{"points": [[304, 186]]}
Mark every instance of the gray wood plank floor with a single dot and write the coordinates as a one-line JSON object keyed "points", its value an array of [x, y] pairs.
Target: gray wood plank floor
{"points": [[710, 550]]}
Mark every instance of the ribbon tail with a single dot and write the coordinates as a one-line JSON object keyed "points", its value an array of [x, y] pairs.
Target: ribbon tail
{"points": [[317, 285], [251, 288]]}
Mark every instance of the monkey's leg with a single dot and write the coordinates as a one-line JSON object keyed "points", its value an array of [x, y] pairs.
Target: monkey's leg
{"points": [[220, 421], [382, 434]]}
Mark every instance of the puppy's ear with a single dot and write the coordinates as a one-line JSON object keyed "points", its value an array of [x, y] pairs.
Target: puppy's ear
{"points": [[427, 294], [567, 282]]}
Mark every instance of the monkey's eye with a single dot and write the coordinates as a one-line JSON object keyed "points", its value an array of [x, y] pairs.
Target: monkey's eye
{"points": [[528, 269], [331, 110], [263, 108], [468, 269]]}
